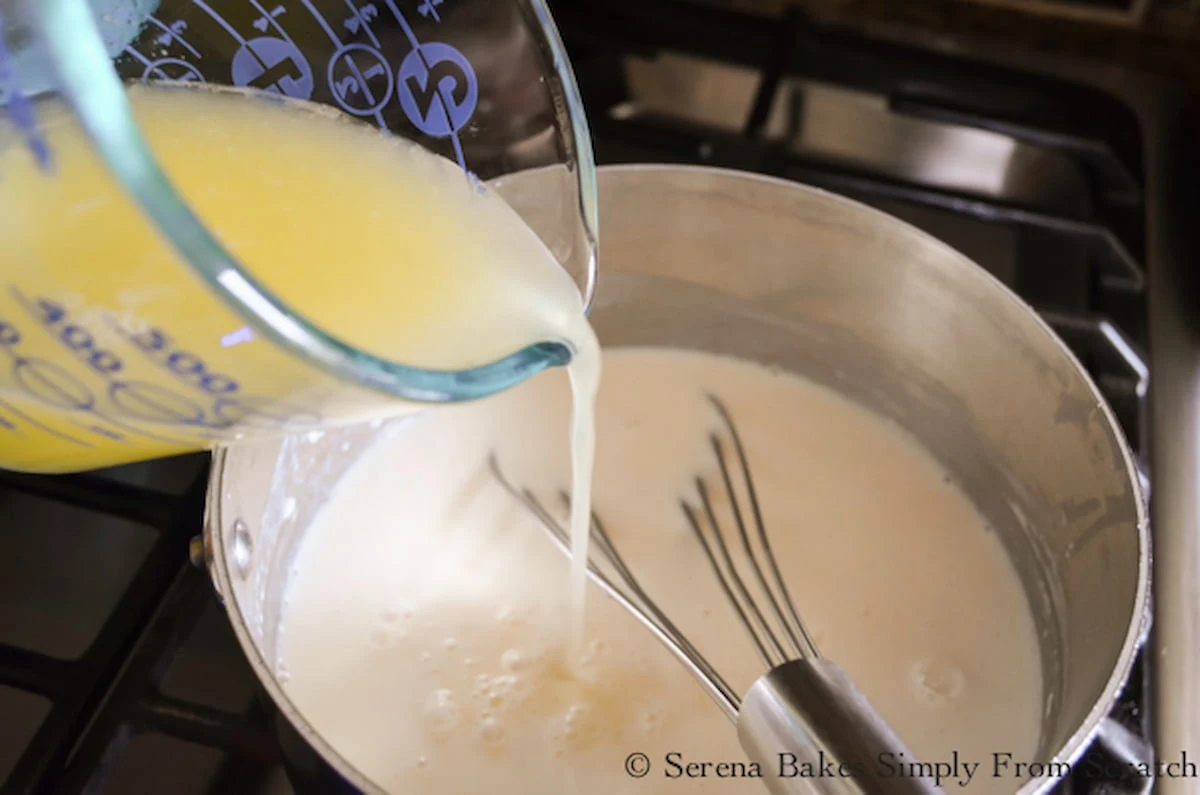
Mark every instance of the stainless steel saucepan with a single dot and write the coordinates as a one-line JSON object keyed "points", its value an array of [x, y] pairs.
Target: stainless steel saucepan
{"points": [[819, 285]]}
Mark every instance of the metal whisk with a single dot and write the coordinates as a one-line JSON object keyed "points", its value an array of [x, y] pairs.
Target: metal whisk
{"points": [[803, 722]]}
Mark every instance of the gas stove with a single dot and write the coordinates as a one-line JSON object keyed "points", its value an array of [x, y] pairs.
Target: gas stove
{"points": [[118, 672]]}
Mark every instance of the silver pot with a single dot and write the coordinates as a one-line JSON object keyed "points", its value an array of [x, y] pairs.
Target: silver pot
{"points": [[851, 298]]}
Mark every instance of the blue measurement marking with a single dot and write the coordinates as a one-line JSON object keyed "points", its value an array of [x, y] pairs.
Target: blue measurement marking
{"points": [[429, 104], [337, 40], [25, 418], [433, 107], [357, 83], [140, 432], [268, 18], [458, 152], [9, 338], [281, 64], [404, 26], [143, 401], [51, 384], [191, 371], [180, 71], [185, 72], [273, 65], [360, 18], [145, 61], [351, 85], [264, 413], [429, 8], [476, 183], [20, 108], [266, 63], [220, 20], [107, 433], [173, 32], [183, 366]]}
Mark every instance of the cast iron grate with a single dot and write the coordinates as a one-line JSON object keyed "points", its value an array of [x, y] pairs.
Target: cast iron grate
{"points": [[111, 694]]}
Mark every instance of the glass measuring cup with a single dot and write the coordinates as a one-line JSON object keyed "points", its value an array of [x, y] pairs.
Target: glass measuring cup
{"points": [[484, 83]]}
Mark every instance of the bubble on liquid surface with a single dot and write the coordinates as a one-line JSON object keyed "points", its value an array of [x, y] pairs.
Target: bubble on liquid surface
{"points": [[509, 616], [592, 652], [937, 682], [513, 660], [576, 720], [441, 710], [490, 730], [383, 638], [450, 643], [649, 721], [574, 728], [497, 691]]}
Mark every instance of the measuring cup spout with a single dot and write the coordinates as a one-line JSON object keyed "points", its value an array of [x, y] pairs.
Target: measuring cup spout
{"points": [[139, 353]]}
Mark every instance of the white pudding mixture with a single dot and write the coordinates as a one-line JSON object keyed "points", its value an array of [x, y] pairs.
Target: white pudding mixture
{"points": [[426, 632]]}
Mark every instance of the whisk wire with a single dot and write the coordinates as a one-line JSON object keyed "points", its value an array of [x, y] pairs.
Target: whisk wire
{"points": [[600, 535], [803, 702], [802, 642], [757, 626], [712, 538], [640, 605]]}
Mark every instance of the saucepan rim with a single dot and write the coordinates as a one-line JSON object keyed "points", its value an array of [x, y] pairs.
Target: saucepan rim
{"points": [[1093, 723]]}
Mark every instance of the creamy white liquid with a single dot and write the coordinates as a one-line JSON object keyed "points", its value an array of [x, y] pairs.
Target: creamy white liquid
{"points": [[424, 633]]}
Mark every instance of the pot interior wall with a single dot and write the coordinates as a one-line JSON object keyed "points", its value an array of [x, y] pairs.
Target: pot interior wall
{"points": [[867, 305], [914, 331]]}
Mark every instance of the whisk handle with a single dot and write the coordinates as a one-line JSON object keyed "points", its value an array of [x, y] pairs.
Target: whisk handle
{"points": [[812, 731]]}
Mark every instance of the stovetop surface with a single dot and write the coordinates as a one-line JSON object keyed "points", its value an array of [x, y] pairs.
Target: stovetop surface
{"points": [[118, 670]]}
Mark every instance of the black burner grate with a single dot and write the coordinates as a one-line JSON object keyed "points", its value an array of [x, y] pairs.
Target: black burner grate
{"points": [[111, 694]]}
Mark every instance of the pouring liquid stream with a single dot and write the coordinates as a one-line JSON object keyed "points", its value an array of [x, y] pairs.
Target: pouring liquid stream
{"points": [[584, 372], [112, 350]]}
